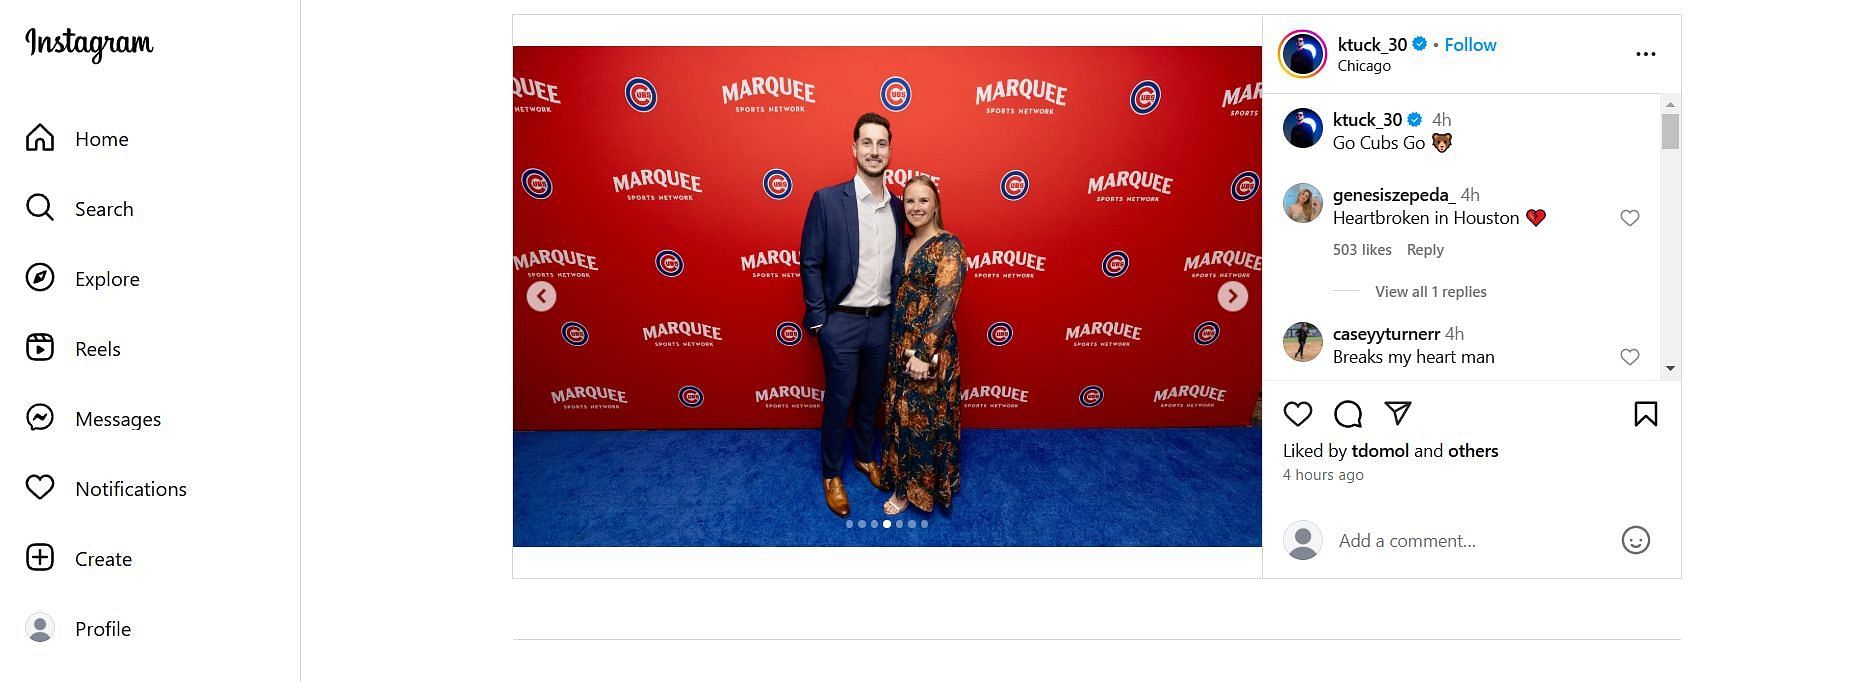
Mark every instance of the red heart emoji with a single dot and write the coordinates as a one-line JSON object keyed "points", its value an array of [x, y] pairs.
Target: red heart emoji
{"points": [[1536, 216]]}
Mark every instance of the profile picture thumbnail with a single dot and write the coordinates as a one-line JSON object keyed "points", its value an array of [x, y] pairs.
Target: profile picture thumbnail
{"points": [[1302, 342], [1303, 128], [1302, 540], [1302, 203], [1303, 54]]}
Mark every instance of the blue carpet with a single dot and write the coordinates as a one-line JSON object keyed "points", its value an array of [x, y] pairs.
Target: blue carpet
{"points": [[1020, 488]]}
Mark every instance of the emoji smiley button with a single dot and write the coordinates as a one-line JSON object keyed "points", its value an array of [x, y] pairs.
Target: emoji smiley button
{"points": [[1635, 539]]}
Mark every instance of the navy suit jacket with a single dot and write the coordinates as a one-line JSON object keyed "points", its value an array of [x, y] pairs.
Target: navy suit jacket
{"points": [[830, 250]]}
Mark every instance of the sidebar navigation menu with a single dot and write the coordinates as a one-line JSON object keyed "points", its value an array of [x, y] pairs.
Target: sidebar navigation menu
{"points": [[152, 243]]}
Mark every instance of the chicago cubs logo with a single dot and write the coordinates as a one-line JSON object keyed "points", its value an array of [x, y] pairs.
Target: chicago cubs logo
{"points": [[777, 184], [1000, 334], [1091, 396], [535, 182], [1245, 186], [788, 333], [1206, 334], [1115, 263], [1015, 185], [895, 94], [1145, 97], [574, 334], [690, 396], [669, 263], [641, 94]]}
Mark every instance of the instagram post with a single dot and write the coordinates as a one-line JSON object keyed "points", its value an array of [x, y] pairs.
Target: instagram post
{"points": [[832, 295]]}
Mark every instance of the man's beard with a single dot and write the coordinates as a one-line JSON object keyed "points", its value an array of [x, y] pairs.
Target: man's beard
{"points": [[871, 174]]}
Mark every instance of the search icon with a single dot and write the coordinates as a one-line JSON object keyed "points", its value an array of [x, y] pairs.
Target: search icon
{"points": [[44, 206]]}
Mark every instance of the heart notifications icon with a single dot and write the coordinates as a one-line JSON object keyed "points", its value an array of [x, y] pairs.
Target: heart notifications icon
{"points": [[40, 485]]}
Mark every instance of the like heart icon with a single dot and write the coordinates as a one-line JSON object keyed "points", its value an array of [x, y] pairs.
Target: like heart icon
{"points": [[1297, 412], [40, 485], [1536, 216]]}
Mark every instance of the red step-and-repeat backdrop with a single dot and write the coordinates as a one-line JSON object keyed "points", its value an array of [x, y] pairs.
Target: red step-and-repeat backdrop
{"points": [[1107, 198]]}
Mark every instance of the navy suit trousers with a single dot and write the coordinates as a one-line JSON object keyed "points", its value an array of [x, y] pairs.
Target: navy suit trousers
{"points": [[853, 358]]}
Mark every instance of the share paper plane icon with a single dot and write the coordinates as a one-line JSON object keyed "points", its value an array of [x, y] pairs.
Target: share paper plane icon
{"points": [[1399, 408]]}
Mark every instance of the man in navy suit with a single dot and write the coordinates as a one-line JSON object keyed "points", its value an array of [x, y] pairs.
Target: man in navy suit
{"points": [[851, 248]]}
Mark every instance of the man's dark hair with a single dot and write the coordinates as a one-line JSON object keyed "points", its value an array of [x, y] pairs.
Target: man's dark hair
{"points": [[870, 117]]}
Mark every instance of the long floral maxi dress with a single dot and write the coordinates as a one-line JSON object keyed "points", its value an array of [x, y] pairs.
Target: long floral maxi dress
{"points": [[922, 415]]}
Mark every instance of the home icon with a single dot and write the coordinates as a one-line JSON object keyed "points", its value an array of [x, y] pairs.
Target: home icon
{"points": [[39, 140]]}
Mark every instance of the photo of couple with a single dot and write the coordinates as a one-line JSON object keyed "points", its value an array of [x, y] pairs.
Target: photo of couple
{"points": [[792, 300], [881, 278]]}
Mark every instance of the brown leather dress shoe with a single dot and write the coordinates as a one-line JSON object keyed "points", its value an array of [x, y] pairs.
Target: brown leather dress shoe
{"points": [[836, 495], [875, 473]]}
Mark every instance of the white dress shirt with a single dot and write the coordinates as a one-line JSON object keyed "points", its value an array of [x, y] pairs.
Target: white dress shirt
{"points": [[878, 232]]}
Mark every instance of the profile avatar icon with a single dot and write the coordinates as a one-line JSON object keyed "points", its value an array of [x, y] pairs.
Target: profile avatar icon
{"points": [[1303, 128], [1303, 54], [39, 627], [1302, 202], [1302, 342], [1302, 540]]}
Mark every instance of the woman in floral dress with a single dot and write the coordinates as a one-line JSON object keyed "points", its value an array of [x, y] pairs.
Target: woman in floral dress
{"points": [[922, 416]]}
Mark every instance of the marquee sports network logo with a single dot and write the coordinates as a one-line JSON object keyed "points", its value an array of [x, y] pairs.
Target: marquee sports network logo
{"points": [[568, 261], [1115, 263], [1092, 396], [1129, 186], [1145, 97], [588, 398], [1000, 334], [772, 264], [669, 263], [777, 184], [690, 396], [786, 397], [1245, 185], [1243, 100], [1223, 264], [1105, 334], [999, 397], [574, 334], [1015, 185], [776, 87], [1189, 395], [1005, 264], [1206, 333], [643, 185], [788, 334], [532, 92], [895, 94], [1034, 92], [683, 335], [535, 182], [641, 95]]}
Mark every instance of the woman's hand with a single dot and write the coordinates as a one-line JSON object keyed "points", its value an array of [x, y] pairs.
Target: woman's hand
{"points": [[919, 369]]}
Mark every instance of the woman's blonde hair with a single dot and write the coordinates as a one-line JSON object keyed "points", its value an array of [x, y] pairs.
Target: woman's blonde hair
{"points": [[937, 205]]}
